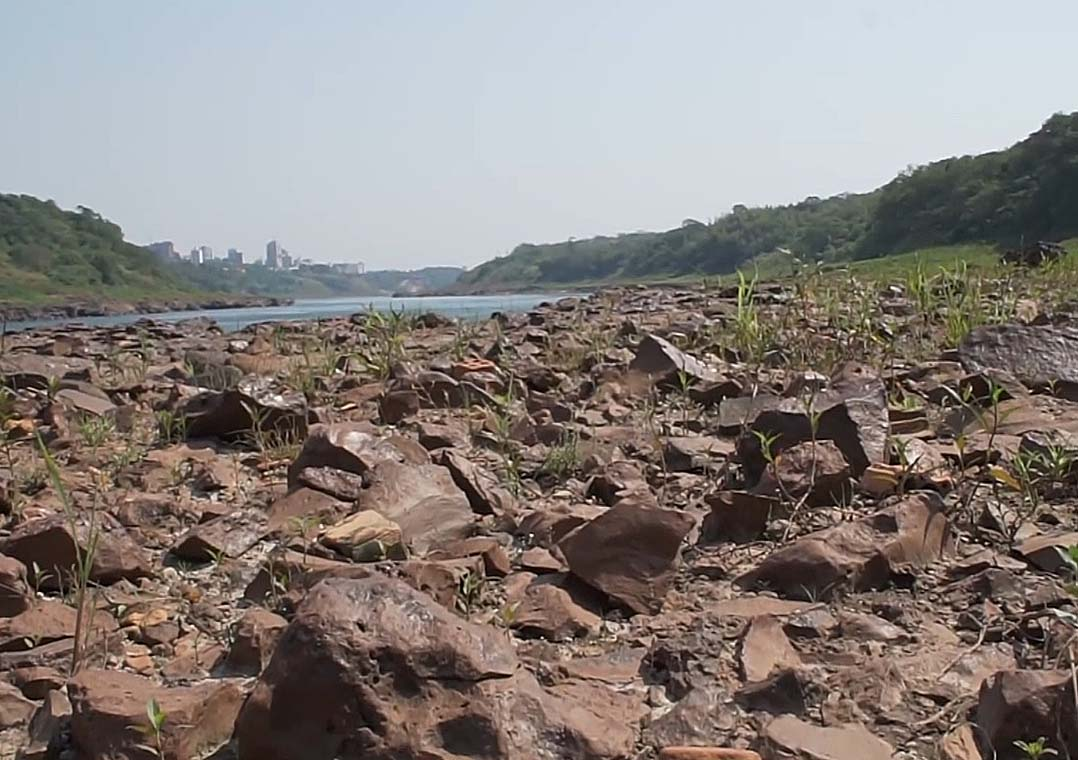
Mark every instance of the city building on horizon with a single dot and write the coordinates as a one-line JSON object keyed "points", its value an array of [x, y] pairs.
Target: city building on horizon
{"points": [[285, 261], [354, 268], [273, 254], [195, 256], [235, 257], [207, 253], [164, 249]]}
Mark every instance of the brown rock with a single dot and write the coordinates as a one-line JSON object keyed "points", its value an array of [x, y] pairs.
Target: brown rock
{"points": [[485, 495], [495, 560], [764, 648], [403, 677], [252, 410], [816, 471], [47, 621], [108, 707], [253, 641], [960, 744], [45, 732], [862, 554], [15, 594], [15, 709], [664, 362], [291, 510], [804, 741], [1024, 705], [230, 535], [423, 500], [706, 753], [629, 553], [346, 447], [540, 560], [1043, 551], [444, 580], [550, 612], [853, 414], [738, 516], [1038, 356], [341, 485], [615, 481], [36, 682], [49, 543], [351, 534]]}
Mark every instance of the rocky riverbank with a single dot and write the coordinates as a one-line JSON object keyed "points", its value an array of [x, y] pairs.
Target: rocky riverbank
{"points": [[77, 309], [815, 520]]}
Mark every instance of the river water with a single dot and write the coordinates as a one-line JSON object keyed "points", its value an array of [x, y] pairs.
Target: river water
{"points": [[466, 307]]}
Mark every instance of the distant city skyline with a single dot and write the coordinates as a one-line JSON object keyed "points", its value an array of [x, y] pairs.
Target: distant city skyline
{"points": [[442, 134]]}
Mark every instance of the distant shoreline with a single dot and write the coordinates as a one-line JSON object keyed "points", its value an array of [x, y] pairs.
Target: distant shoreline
{"points": [[75, 309]]}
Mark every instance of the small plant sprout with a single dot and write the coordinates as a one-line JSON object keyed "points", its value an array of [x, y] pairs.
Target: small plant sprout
{"points": [[469, 592], [1036, 749], [153, 730]]}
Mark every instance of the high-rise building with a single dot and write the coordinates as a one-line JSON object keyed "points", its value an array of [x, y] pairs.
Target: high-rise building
{"points": [[195, 256], [207, 253], [273, 254], [286, 259], [163, 250], [235, 257]]}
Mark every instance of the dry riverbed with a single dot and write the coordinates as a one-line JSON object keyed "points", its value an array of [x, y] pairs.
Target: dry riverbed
{"points": [[820, 519]]}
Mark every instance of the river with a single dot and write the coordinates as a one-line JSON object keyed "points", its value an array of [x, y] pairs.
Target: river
{"points": [[467, 307]]}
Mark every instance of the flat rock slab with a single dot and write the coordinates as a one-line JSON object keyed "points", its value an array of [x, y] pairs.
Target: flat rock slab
{"points": [[1038, 356], [790, 737]]}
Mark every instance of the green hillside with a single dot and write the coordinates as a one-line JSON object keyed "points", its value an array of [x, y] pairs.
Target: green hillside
{"points": [[49, 254], [1026, 192]]}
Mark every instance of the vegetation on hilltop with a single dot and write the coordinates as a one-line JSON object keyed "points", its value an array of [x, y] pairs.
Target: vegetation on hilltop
{"points": [[1028, 191], [47, 253]]}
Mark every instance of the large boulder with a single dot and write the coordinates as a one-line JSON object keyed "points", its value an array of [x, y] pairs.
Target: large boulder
{"points": [[253, 411], [50, 544], [346, 447], [373, 670], [1027, 704], [1038, 356], [862, 554], [422, 500], [109, 715], [629, 553], [853, 414]]}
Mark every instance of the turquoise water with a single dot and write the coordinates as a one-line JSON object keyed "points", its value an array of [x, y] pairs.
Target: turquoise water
{"points": [[467, 307]]}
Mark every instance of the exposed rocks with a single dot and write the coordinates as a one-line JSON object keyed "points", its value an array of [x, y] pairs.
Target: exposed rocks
{"points": [[1038, 356], [252, 411], [790, 737], [857, 555], [664, 362], [380, 649], [608, 528], [628, 553], [49, 544], [109, 708], [1025, 705]]}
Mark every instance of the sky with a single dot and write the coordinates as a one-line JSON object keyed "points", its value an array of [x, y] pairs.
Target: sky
{"points": [[406, 134]]}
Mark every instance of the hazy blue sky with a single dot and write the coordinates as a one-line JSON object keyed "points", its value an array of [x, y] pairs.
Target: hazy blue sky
{"points": [[414, 133]]}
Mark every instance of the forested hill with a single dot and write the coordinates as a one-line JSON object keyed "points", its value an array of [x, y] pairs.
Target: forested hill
{"points": [[47, 253], [1028, 191]]}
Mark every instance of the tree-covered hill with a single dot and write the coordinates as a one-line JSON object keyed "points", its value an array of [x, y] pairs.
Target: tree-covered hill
{"points": [[1026, 192], [47, 253]]}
